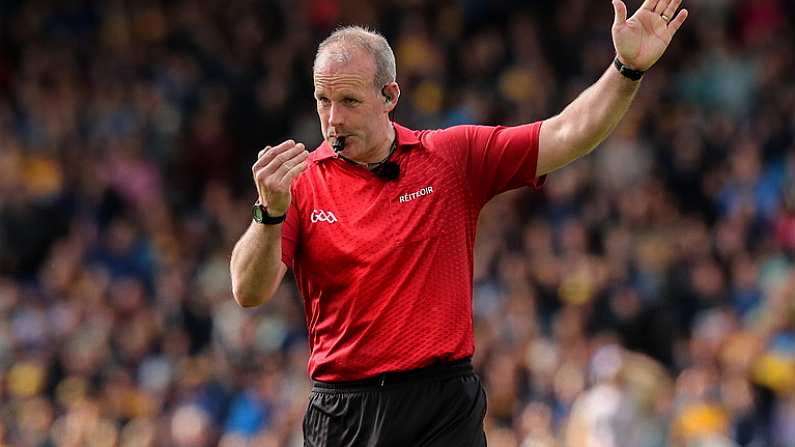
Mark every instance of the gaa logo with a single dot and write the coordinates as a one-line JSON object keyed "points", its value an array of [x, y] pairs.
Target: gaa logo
{"points": [[323, 216]]}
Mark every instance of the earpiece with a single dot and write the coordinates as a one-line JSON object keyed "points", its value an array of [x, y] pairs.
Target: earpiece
{"points": [[383, 92]]}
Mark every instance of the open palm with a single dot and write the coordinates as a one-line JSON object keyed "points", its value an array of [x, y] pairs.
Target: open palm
{"points": [[641, 40]]}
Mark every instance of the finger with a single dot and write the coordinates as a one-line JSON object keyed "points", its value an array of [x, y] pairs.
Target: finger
{"points": [[649, 4], [287, 180], [620, 12], [296, 151], [660, 6], [267, 176], [277, 168], [270, 178], [266, 155], [278, 156], [677, 22], [282, 170], [671, 9]]}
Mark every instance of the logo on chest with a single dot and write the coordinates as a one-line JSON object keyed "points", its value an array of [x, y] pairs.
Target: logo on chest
{"points": [[323, 216], [408, 197]]}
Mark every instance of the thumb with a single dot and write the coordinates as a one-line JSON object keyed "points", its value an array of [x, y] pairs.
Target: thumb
{"points": [[621, 12]]}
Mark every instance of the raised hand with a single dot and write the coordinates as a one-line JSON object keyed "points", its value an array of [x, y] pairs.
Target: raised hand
{"points": [[641, 40], [274, 171]]}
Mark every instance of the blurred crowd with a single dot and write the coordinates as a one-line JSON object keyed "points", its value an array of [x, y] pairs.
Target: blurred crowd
{"points": [[644, 298]]}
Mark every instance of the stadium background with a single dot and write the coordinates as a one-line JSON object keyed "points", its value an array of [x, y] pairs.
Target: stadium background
{"points": [[643, 298]]}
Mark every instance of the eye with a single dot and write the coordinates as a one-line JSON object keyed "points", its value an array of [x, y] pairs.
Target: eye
{"points": [[351, 101], [323, 101]]}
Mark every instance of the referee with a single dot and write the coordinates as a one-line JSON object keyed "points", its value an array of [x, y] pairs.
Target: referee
{"points": [[378, 225]]}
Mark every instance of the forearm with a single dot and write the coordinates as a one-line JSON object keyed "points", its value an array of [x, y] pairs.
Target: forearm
{"points": [[586, 122], [256, 265], [596, 112]]}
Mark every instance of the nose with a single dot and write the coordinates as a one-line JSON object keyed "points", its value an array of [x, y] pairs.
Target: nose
{"points": [[335, 116]]}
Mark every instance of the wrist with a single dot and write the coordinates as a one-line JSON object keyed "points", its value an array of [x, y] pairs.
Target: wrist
{"points": [[627, 71], [273, 208], [267, 216]]}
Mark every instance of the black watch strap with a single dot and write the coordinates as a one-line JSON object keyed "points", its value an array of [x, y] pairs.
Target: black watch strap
{"points": [[260, 214], [626, 71]]}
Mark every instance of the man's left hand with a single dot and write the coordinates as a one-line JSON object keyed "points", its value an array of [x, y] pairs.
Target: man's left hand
{"points": [[641, 40]]}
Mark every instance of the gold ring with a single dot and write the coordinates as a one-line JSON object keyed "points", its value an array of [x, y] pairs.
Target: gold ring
{"points": [[665, 17]]}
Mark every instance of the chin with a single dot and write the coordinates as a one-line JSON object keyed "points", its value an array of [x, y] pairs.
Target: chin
{"points": [[351, 151]]}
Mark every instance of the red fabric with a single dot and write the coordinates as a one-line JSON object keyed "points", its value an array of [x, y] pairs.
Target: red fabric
{"points": [[385, 267], [760, 19], [785, 231]]}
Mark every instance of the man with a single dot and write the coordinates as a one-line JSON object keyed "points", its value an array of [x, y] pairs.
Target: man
{"points": [[378, 226]]}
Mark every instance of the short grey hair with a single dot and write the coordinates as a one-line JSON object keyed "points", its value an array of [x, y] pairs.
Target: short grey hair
{"points": [[341, 41]]}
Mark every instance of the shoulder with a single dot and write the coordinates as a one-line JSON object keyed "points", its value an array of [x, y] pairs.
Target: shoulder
{"points": [[435, 138]]}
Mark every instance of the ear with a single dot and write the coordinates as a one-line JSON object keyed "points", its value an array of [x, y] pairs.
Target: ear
{"points": [[391, 93]]}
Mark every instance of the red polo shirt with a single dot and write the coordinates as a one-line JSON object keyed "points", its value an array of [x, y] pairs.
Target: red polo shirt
{"points": [[385, 267]]}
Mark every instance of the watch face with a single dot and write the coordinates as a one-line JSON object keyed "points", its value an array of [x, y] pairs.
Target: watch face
{"points": [[257, 212]]}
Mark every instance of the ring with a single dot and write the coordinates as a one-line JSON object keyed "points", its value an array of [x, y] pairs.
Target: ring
{"points": [[666, 18]]}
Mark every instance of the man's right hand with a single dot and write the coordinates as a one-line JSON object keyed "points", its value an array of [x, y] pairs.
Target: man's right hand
{"points": [[274, 171]]}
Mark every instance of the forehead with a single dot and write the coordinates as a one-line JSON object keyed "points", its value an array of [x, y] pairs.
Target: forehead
{"points": [[338, 65]]}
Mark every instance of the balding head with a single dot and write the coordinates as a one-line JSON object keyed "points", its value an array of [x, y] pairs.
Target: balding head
{"points": [[342, 44]]}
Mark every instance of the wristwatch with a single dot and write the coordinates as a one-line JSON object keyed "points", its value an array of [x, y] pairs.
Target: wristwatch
{"points": [[626, 71], [260, 214]]}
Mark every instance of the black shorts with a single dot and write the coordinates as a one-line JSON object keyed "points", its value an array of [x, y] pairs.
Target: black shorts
{"points": [[438, 406]]}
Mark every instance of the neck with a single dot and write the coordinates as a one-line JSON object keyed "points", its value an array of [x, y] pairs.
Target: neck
{"points": [[380, 152], [374, 165]]}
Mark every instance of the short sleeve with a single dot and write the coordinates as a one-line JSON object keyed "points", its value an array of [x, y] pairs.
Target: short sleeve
{"points": [[290, 232], [501, 158]]}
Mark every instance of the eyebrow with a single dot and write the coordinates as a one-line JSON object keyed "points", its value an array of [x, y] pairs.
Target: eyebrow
{"points": [[354, 95]]}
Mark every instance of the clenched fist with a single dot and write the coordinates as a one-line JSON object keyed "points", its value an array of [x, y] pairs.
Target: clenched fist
{"points": [[274, 171]]}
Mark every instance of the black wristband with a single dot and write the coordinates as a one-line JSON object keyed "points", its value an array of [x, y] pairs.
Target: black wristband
{"points": [[626, 71], [260, 214]]}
